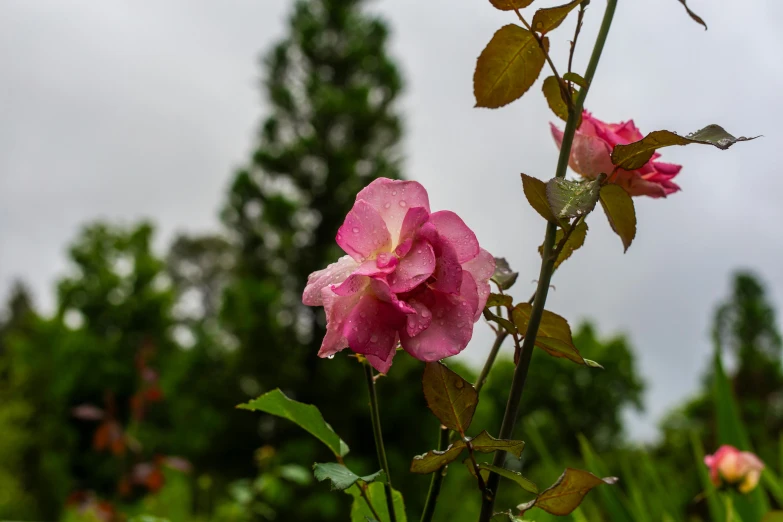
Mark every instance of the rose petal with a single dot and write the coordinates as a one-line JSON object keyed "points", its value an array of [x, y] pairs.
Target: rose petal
{"points": [[420, 321], [371, 327], [361, 276], [337, 309], [364, 232], [392, 199], [379, 364], [453, 230], [413, 269], [448, 270], [449, 332], [481, 268], [333, 274], [382, 291], [414, 219]]}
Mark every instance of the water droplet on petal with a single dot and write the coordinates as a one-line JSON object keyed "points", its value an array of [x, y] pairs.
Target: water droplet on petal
{"points": [[355, 230], [387, 205], [394, 192], [374, 338], [331, 357], [402, 203]]}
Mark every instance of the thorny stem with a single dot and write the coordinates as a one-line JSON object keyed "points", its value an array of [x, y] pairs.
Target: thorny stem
{"points": [[566, 237], [547, 265], [579, 19], [481, 484], [376, 430], [437, 479]]}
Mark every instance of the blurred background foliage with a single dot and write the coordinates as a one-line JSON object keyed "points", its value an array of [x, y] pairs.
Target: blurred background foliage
{"points": [[121, 401]]}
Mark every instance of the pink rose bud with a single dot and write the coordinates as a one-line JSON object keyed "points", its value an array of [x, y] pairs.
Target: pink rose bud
{"points": [[732, 466], [410, 277], [591, 156]]}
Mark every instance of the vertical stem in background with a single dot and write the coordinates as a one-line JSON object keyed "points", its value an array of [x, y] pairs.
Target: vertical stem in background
{"points": [[493, 353], [376, 431], [547, 266], [437, 479]]}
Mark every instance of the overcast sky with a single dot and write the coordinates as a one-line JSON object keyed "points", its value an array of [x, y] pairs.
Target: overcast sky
{"points": [[120, 109]]}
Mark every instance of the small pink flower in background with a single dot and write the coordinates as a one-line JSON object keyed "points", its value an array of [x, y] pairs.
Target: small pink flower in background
{"points": [[410, 276], [592, 148], [735, 467]]}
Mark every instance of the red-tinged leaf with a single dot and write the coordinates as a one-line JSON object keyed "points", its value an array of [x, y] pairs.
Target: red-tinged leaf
{"points": [[486, 443], [554, 333], [635, 155], [574, 242], [500, 300], [548, 19], [510, 5], [507, 67], [565, 495], [433, 460], [450, 397], [696, 18], [619, 209], [535, 192], [554, 98]]}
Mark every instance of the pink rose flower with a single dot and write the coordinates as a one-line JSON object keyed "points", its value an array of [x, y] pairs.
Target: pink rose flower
{"points": [[591, 156], [410, 277], [735, 467]]}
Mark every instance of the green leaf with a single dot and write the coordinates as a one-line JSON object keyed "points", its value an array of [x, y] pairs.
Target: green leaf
{"points": [[554, 333], [535, 192], [567, 493], [716, 507], [526, 484], [451, 398], [615, 505], [500, 300], [575, 78], [504, 323], [305, 416], [510, 5], [342, 477], [504, 277], [573, 243], [731, 430], [486, 443], [546, 20], [773, 516], [507, 67], [635, 155], [433, 460], [696, 18], [483, 442], [569, 199], [619, 209], [360, 512]]}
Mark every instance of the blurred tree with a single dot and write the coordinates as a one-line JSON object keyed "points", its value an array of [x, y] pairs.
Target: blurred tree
{"points": [[15, 410], [332, 128], [744, 326]]}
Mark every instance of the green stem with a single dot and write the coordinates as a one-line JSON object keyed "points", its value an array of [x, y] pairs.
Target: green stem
{"points": [[376, 431], [437, 479], [493, 353], [547, 266]]}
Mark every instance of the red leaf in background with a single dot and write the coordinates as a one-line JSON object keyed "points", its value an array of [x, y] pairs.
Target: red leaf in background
{"points": [[154, 394], [100, 440]]}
